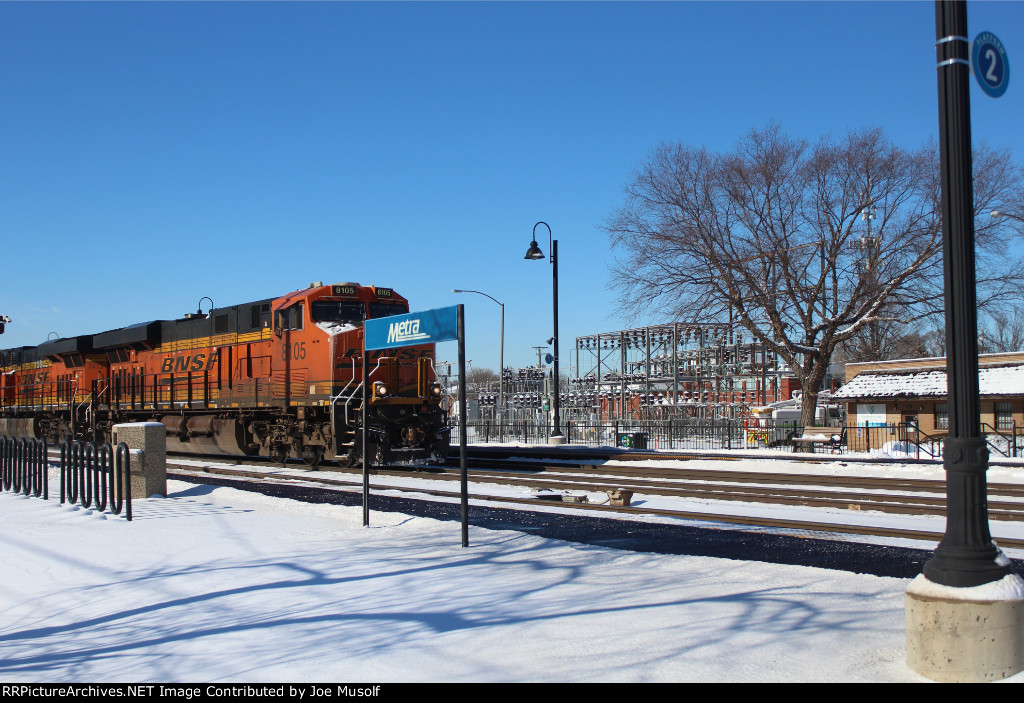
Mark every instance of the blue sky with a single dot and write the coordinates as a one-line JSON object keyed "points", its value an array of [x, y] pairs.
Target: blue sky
{"points": [[155, 153]]}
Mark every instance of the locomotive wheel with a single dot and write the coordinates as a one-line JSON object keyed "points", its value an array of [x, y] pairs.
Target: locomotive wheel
{"points": [[351, 459], [312, 456], [64, 433], [380, 454], [279, 454], [440, 452]]}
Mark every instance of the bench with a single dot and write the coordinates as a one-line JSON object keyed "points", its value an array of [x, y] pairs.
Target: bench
{"points": [[824, 437]]}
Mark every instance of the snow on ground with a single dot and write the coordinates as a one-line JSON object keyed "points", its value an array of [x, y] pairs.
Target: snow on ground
{"points": [[214, 584]]}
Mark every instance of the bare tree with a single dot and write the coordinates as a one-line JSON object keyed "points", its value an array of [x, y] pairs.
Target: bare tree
{"points": [[770, 235], [1004, 332], [890, 339], [480, 375]]}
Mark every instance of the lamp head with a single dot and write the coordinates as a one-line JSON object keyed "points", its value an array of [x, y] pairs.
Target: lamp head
{"points": [[534, 251]]}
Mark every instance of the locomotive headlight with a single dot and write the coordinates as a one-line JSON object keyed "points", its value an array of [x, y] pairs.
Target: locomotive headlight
{"points": [[435, 390], [380, 390]]}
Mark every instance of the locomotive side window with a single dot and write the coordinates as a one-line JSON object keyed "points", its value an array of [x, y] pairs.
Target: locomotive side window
{"points": [[387, 309], [260, 316], [295, 317], [337, 311], [289, 319]]}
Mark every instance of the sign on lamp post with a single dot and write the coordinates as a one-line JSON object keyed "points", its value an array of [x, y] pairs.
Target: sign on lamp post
{"points": [[425, 327]]}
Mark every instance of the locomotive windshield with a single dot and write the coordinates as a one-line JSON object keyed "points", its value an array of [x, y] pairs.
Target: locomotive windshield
{"points": [[338, 311], [387, 309]]}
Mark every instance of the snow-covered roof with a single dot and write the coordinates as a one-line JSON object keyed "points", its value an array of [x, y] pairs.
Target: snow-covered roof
{"points": [[999, 380]]}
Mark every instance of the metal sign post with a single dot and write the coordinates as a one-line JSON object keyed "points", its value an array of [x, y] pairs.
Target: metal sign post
{"points": [[463, 476], [362, 421], [425, 327]]}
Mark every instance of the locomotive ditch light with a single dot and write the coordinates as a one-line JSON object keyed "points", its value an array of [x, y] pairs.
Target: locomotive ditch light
{"points": [[435, 390], [380, 390]]}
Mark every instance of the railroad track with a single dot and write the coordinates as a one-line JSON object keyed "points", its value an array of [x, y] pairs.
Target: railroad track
{"points": [[887, 495]]}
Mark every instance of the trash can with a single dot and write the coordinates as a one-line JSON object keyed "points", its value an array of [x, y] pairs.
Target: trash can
{"points": [[632, 440]]}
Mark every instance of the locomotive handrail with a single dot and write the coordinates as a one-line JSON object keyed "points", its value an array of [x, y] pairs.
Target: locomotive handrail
{"points": [[349, 399], [444, 387], [342, 391], [379, 360]]}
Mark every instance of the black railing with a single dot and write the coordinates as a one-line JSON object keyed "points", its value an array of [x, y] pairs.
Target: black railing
{"points": [[1006, 441], [24, 467], [93, 475], [640, 434], [897, 439]]}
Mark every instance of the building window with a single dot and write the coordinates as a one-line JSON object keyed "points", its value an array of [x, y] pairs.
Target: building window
{"points": [[941, 416], [1004, 416]]}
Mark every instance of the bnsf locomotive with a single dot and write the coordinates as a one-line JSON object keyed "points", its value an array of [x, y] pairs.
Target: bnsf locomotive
{"points": [[280, 377]]}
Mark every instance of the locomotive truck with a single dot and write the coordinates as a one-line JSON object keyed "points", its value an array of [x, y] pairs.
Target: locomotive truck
{"points": [[281, 377]]}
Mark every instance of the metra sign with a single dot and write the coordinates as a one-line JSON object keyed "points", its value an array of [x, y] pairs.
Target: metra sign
{"points": [[407, 332], [425, 327]]}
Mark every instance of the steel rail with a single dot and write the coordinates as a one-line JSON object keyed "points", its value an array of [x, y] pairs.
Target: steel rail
{"points": [[786, 524]]}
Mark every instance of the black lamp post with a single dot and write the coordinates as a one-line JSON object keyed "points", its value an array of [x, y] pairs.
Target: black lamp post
{"points": [[501, 361], [966, 556], [536, 254]]}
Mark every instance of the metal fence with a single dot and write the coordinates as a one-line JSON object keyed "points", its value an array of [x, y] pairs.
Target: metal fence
{"points": [[89, 474], [23, 466], [897, 439], [95, 475], [648, 434]]}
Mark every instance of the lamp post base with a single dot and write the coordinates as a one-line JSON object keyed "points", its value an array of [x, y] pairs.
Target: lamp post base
{"points": [[556, 439], [965, 635]]}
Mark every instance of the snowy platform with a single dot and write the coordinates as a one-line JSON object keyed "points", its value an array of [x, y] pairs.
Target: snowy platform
{"points": [[246, 588]]}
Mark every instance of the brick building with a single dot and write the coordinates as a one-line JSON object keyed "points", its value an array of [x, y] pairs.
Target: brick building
{"points": [[909, 396]]}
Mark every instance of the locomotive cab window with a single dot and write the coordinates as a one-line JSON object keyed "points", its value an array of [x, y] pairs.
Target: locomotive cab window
{"points": [[351, 311], [387, 309], [288, 319]]}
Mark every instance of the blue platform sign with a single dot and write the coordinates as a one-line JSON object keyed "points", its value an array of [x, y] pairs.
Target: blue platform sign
{"points": [[424, 327], [990, 64]]}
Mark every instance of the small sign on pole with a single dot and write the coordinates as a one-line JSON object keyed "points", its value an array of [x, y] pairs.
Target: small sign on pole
{"points": [[990, 64]]}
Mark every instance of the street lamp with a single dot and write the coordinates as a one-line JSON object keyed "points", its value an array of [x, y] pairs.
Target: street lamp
{"points": [[501, 361], [966, 556], [534, 253], [999, 214]]}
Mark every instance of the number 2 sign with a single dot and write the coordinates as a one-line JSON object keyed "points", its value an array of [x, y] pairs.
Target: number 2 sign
{"points": [[990, 64]]}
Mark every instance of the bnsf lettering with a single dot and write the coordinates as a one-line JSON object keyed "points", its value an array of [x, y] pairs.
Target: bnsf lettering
{"points": [[184, 364]]}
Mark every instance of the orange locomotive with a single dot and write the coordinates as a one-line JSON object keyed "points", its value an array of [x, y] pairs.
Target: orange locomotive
{"points": [[280, 377]]}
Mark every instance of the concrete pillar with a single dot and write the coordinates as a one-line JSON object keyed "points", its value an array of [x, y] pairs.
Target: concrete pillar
{"points": [[147, 444], [965, 635]]}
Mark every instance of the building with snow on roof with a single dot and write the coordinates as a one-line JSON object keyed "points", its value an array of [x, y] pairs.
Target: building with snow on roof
{"points": [[906, 400]]}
